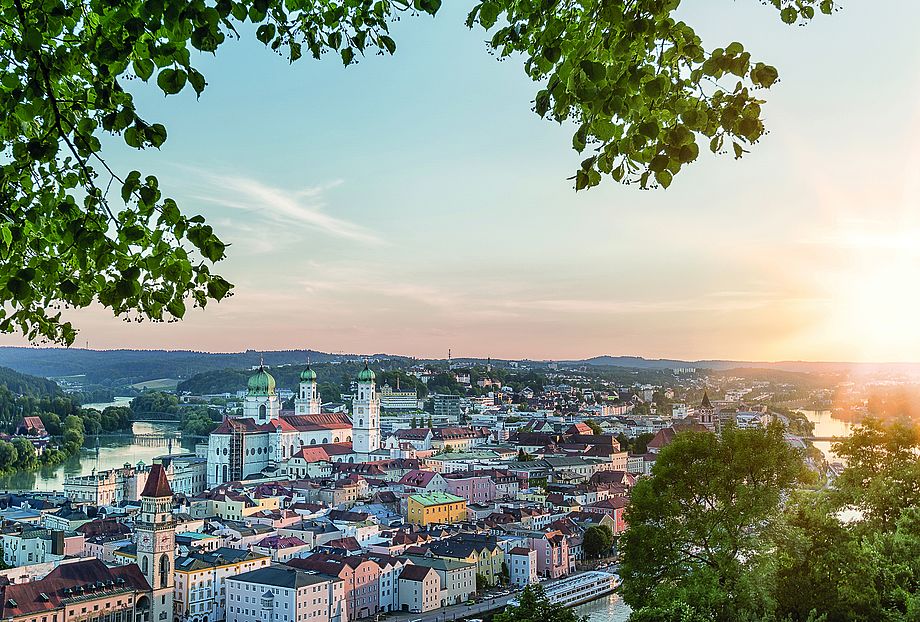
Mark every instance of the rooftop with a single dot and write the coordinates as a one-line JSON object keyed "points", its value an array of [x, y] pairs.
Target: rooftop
{"points": [[436, 498]]}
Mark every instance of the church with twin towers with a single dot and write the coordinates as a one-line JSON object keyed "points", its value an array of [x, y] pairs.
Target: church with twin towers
{"points": [[257, 441]]}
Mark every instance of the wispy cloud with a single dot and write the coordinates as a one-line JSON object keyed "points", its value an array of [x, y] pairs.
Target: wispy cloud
{"points": [[304, 207]]}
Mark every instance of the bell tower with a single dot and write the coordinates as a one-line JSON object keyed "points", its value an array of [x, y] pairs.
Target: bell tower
{"points": [[156, 543], [365, 416], [706, 413], [307, 401]]}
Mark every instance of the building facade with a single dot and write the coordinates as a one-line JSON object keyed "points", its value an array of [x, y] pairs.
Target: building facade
{"points": [[285, 594], [263, 439], [156, 543]]}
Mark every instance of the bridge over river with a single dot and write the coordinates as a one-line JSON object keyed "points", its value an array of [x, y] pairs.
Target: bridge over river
{"points": [[164, 417], [148, 439]]}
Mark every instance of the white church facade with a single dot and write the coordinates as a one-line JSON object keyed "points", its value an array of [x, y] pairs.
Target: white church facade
{"points": [[263, 437]]}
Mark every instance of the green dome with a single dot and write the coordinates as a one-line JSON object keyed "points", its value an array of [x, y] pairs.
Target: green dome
{"points": [[308, 375], [366, 374], [261, 383]]}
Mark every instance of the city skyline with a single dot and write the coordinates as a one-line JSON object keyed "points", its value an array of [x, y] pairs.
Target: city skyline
{"points": [[444, 219]]}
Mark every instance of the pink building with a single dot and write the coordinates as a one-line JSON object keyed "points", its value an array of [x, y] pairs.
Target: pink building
{"points": [[361, 577], [615, 508], [474, 488], [553, 559]]}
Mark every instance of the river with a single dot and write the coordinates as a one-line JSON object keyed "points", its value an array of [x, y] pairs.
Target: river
{"points": [[113, 452], [827, 425], [607, 609]]}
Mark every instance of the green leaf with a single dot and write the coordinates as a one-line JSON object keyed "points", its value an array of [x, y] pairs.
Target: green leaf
{"points": [[348, 55], [789, 15], [594, 71], [664, 178], [218, 288], [197, 81], [171, 81], [143, 68], [133, 138], [388, 43], [488, 14], [265, 33], [32, 38], [659, 163], [176, 308], [156, 134]]}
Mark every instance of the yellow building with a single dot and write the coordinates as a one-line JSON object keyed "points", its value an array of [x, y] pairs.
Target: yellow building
{"points": [[433, 508], [481, 550]]}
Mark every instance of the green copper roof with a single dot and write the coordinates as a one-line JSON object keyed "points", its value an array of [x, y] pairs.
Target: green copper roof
{"points": [[262, 383], [308, 375], [366, 374]]}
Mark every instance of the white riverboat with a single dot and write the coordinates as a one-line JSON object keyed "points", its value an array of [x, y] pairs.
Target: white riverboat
{"points": [[580, 588]]}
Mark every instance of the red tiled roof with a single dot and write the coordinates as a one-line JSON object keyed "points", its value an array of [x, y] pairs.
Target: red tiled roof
{"points": [[312, 453], [47, 594], [157, 485], [417, 478], [325, 421], [413, 572]]}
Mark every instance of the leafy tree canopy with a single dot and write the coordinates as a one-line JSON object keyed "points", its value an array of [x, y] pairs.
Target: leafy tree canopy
{"points": [[597, 541], [639, 85], [697, 526], [746, 547]]}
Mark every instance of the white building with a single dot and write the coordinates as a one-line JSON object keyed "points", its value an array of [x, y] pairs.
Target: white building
{"points": [[285, 594], [394, 399], [263, 439], [109, 487], [388, 583], [24, 547], [200, 591], [184, 472]]}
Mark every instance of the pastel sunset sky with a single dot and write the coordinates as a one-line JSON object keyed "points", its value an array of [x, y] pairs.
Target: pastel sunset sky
{"points": [[415, 203]]}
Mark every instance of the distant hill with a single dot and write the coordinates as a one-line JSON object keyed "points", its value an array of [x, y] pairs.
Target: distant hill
{"points": [[812, 367], [127, 367], [24, 384], [122, 368]]}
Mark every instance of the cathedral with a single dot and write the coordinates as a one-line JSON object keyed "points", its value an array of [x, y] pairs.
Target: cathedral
{"points": [[263, 437]]}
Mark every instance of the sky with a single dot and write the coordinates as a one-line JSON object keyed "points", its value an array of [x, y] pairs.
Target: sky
{"points": [[414, 203]]}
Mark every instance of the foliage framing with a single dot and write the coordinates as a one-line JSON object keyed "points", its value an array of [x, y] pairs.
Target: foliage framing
{"points": [[641, 87]]}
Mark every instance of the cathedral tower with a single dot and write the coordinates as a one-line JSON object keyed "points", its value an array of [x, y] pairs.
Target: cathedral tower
{"points": [[365, 419], [156, 543], [261, 403], [307, 402]]}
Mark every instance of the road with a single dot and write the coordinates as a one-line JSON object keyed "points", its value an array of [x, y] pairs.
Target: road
{"points": [[454, 612], [458, 612]]}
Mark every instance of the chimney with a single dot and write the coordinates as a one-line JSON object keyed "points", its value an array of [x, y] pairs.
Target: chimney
{"points": [[57, 542]]}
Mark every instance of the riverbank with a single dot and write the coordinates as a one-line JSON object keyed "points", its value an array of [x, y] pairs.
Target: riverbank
{"points": [[113, 452]]}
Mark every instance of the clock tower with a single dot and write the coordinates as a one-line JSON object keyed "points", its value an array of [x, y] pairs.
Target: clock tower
{"points": [[156, 543]]}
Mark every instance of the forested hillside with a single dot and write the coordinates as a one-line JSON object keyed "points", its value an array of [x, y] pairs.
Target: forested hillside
{"points": [[117, 368]]}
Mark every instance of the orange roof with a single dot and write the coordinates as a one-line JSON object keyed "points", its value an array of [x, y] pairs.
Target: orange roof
{"points": [[157, 485]]}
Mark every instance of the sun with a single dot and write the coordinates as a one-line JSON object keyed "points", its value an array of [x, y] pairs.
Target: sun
{"points": [[870, 293]]}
